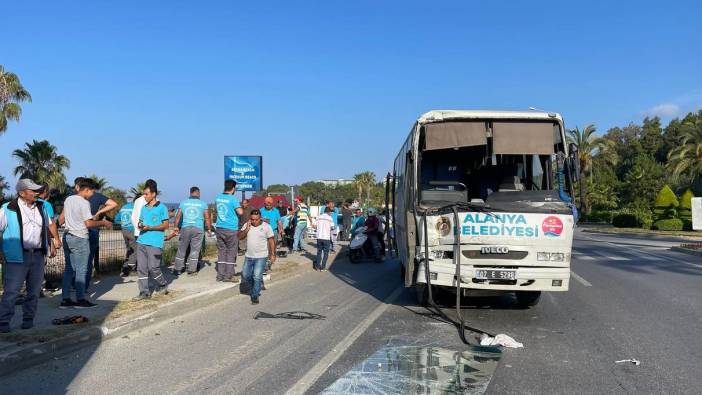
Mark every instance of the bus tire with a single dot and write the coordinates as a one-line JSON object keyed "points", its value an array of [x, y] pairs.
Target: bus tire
{"points": [[528, 298]]}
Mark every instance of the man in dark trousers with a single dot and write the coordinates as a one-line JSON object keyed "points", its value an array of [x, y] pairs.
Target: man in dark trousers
{"points": [[124, 219], [26, 241], [227, 227], [347, 220], [190, 221]]}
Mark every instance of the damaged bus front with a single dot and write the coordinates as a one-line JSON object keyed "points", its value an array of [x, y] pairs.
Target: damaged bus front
{"points": [[491, 190]]}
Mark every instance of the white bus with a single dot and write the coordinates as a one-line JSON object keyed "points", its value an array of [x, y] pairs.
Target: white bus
{"points": [[501, 182]]}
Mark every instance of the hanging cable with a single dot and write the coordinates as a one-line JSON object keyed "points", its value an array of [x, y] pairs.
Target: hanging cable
{"points": [[461, 325]]}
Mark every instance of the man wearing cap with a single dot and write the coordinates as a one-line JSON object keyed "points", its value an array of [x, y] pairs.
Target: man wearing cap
{"points": [[227, 227], [190, 222], [26, 240], [302, 214]]}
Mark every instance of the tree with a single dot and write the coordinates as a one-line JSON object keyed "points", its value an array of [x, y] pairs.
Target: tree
{"points": [[12, 93], [358, 182], [40, 161], [3, 187], [118, 196], [313, 191], [101, 182], [666, 204], [685, 160], [685, 209], [642, 181], [364, 181], [652, 138], [138, 190], [589, 146]]}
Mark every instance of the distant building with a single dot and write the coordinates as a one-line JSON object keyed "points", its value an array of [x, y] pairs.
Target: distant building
{"points": [[336, 183]]}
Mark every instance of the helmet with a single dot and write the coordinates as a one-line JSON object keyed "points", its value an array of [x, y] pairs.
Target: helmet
{"points": [[371, 211]]}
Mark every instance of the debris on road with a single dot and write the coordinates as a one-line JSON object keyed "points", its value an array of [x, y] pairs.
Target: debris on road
{"points": [[499, 340], [291, 315], [632, 360], [75, 319]]}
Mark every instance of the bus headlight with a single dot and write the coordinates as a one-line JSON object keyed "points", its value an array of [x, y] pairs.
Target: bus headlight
{"points": [[550, 256]]}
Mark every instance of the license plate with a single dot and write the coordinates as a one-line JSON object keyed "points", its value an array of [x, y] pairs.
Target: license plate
{"points": [[496, 274]]}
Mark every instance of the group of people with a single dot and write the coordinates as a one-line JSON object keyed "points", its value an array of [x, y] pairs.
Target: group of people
{"points": [[237, 227], [29, 228]]}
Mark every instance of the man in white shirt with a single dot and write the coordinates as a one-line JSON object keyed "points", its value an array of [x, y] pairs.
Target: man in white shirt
{"points": [[260, 248], [325, 224], [26, 241]]}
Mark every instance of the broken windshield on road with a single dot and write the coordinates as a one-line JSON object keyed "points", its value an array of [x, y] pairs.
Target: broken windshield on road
{"points": [[402, 369]]}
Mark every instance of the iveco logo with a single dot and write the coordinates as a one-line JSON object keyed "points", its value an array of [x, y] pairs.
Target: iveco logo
{"points": [[494, 250]]}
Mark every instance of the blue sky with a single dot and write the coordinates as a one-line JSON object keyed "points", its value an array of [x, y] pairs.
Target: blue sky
{"points": [[323, 89]]}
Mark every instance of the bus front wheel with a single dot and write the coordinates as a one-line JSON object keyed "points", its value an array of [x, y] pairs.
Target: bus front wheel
{"points": [[528, 298]]}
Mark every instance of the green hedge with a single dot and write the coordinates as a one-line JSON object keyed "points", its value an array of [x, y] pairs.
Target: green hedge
{"points": [[633, 217], [666, 205], [600, 217], [687, 224], [669, 224], [626, 221]]}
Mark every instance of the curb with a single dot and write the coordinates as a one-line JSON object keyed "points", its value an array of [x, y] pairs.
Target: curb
{"points": [[686, 251], [38, 353], [652, 235]]}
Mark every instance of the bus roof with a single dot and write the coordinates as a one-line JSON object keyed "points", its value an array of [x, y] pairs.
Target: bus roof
{"points": [[446, 115]]}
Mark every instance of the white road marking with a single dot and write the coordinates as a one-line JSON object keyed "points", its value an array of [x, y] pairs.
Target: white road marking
{"points": [[612, 257], [316, 372], [580, 279], [635, 250], [585, 258]]}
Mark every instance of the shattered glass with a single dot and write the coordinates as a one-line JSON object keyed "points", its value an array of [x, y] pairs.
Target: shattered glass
{"points": [[408, 369]]}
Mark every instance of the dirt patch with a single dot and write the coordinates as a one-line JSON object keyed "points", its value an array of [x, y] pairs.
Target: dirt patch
{"points": [[42, 335], [129, 307]]}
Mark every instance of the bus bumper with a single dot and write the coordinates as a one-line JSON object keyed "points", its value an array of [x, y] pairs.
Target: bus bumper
{"points": [[554, 279]]}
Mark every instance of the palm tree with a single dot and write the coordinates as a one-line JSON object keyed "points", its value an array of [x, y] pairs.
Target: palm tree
{"points": [[685, 160], [589, 146], [40, 162], [365, 180], [11, 94], [3, 187], [370, 179], [359, 183], [138, 190], [101, 182]]}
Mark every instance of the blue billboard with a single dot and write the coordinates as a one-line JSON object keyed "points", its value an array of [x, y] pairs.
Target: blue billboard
{"points": [[247, 171]]}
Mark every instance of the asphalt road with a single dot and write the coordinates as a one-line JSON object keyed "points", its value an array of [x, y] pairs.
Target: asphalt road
{"points": [[630, 298]]}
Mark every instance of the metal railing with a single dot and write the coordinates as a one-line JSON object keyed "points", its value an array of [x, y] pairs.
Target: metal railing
{"points": [[111, 254]]}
